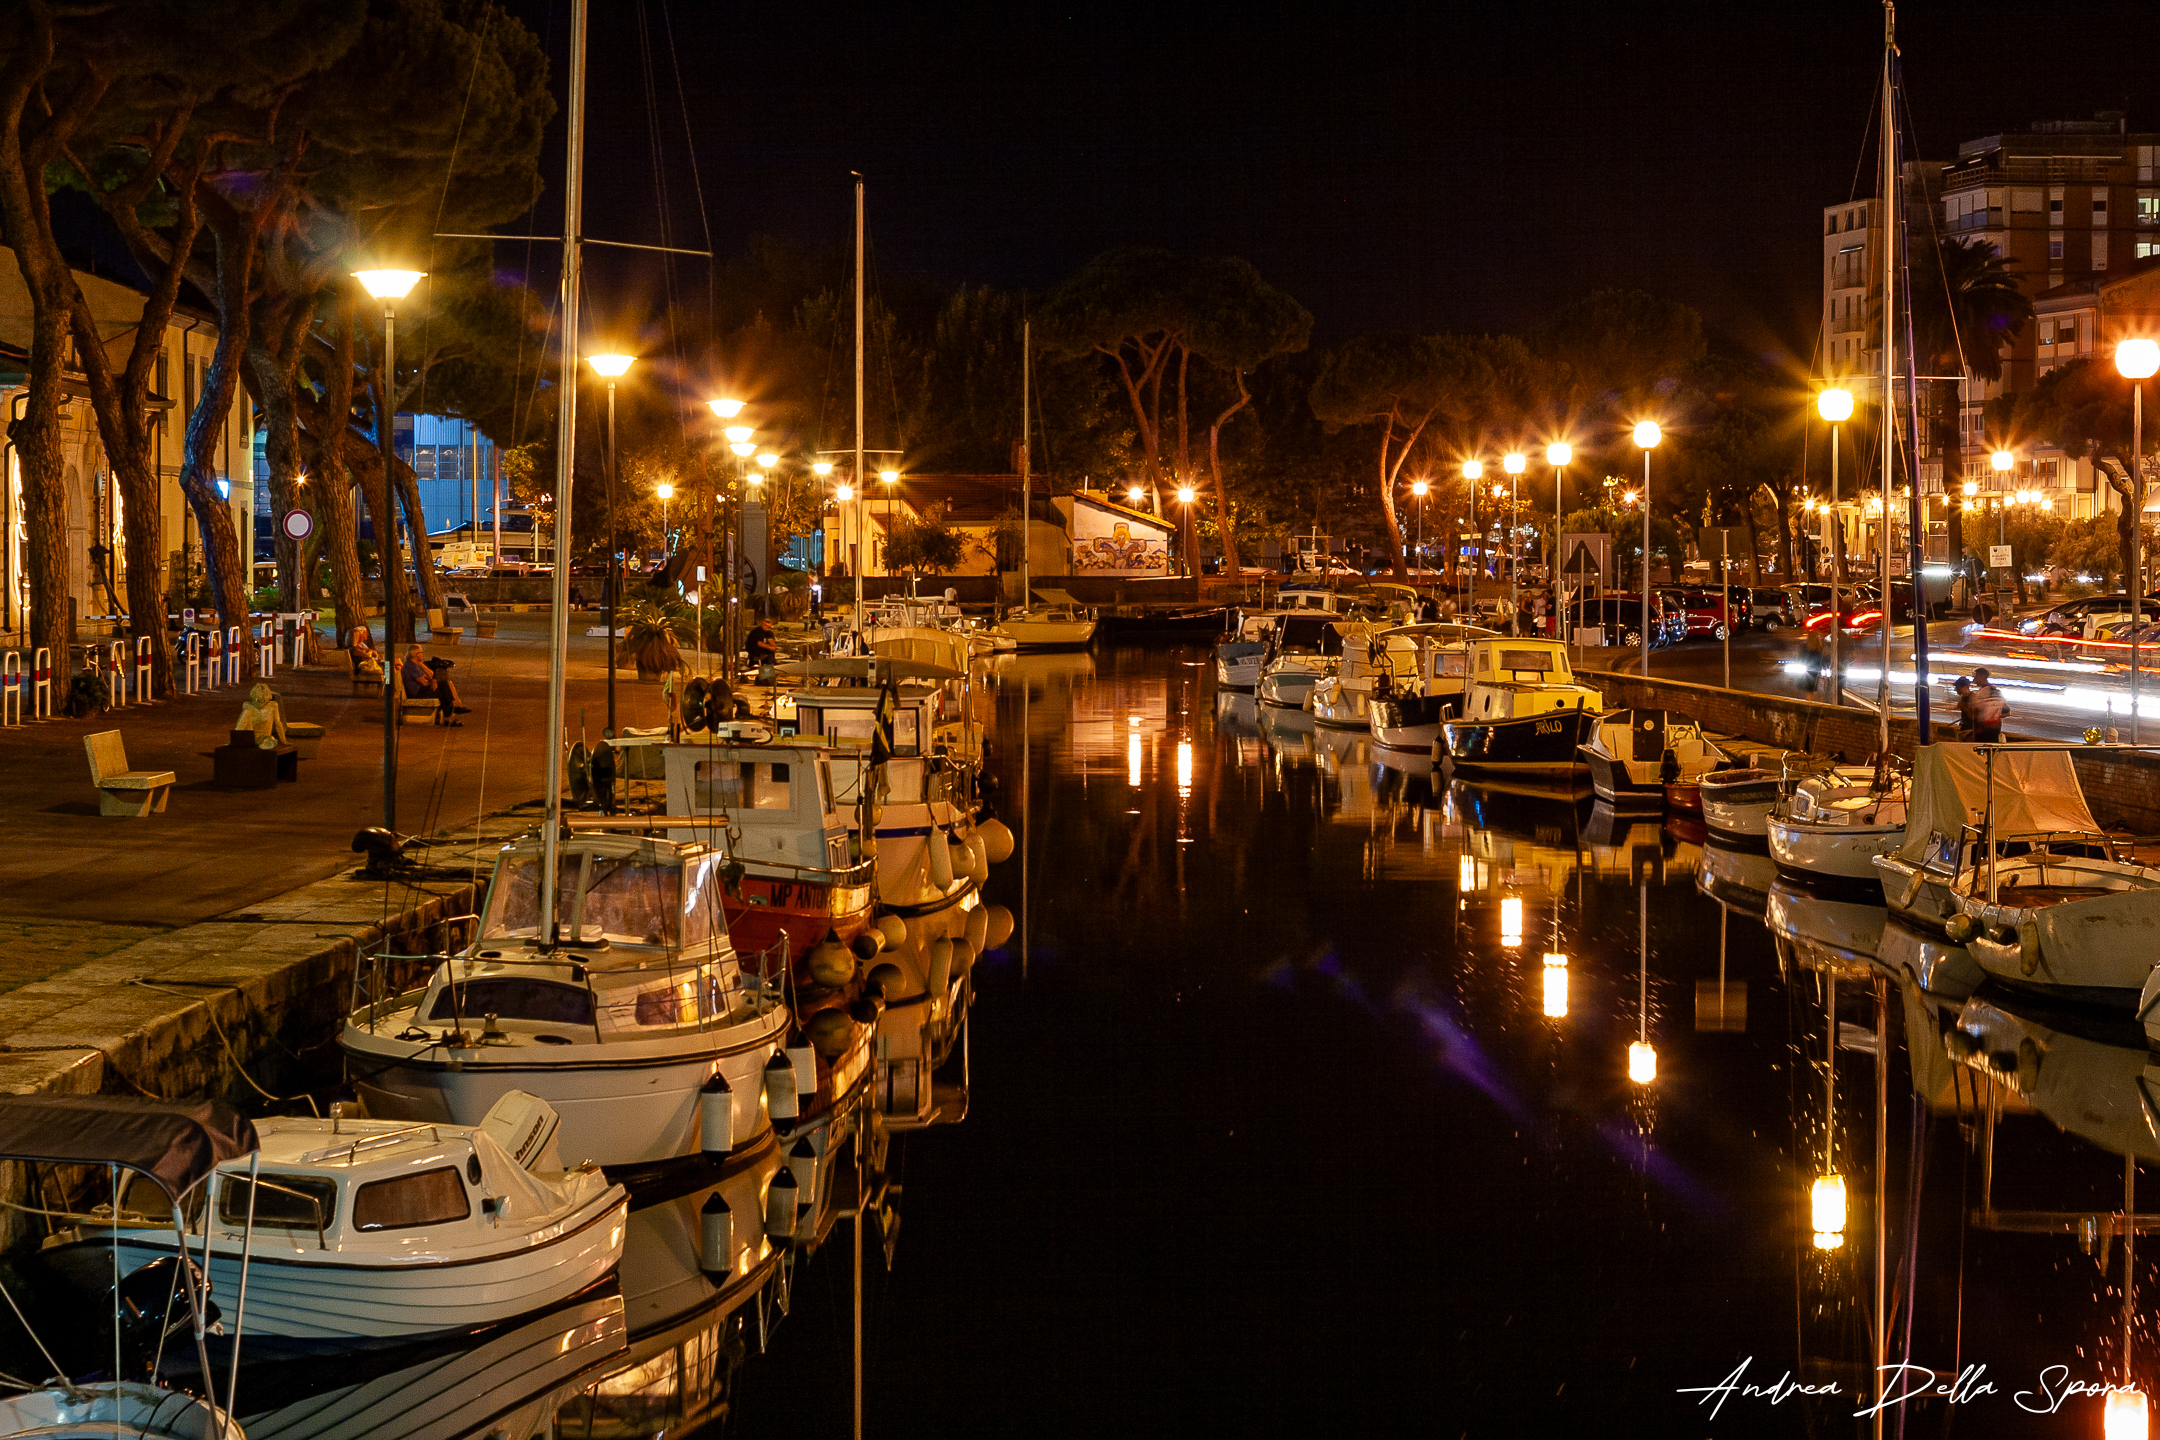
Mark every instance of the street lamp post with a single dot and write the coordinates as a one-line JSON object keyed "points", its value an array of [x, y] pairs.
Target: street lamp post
{"points": [[1417, 491], [1557, 455], [1835, 404], [1514, 464], [1473, 471], [390, 286], [666, 492], [888, 479], [1647, 436], [611, 368], [762, 565], [2002, 461], [1185, 535], [2137, 360]]}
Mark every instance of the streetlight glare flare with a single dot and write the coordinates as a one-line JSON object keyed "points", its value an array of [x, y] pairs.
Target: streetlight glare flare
{"points": [[664, 490], [1473, 469], [1418, 488], [726, 409], [1559, 453], [1514, 463], [1184, 494], [821, 469], [1134, 494], [1647, 434], [2125, 1418], [768, 459], [888, 476], [611, 366], [742, 447], [397, 284], [2002, 460], [2137, 359], [1556, 988], [738, 433], [844, 493], [1834, 404]]}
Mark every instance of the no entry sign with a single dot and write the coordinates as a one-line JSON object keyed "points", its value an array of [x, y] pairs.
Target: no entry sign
{"points": [[299, 524]]}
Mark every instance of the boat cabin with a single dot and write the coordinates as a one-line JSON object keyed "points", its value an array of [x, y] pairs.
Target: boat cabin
{"points": [[778, 798], [1514, 676]]}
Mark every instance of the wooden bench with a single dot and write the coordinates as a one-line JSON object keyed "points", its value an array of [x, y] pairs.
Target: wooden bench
{"points": [[242, 764], [122, 791]]}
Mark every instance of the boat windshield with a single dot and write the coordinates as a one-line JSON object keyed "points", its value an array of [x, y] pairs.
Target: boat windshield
{"points": [[636, 902], [1310, 635], [285, 1202]]}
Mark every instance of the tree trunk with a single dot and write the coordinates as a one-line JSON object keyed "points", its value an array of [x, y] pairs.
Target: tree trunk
{"points": [[326, 426], [1225, 524], [44, 488], [364, 462], [420, 552], [1387, 500]]}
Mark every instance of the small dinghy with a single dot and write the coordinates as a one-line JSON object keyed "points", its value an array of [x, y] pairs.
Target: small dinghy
{"points": [[1638, 757], [1736, 803], [379, 1229], [1833, 824]]}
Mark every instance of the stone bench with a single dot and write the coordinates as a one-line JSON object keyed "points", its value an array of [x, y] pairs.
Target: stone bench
{"points": [[122, 791], [306, 737]]}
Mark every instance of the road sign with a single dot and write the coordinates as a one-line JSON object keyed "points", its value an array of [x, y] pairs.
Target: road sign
{"points": [[299, 524], [1587, 558], [1999, 557]]}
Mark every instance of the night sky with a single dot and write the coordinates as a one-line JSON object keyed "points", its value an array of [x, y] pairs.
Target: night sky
{"points": [[1442, 167]]}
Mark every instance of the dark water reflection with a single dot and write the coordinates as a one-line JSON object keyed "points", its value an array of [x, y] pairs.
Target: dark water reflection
{"points": [[1279, 1127]]}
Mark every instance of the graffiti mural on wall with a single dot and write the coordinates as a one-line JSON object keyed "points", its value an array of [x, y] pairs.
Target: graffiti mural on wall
{"points": [[1108, 543]]}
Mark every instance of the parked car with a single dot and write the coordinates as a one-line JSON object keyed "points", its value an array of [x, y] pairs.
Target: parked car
{"points": [[1771, 608], [1620, 617], [1702, 612], [2076, 617]]}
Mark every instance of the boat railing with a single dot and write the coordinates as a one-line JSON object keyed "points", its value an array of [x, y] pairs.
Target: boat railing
{"points": [[329, 1153]]}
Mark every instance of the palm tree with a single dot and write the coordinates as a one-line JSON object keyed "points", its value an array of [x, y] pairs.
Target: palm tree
{"points": [[1967, 307]]}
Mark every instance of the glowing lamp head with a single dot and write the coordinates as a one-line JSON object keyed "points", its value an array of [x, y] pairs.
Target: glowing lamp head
{"points": [[1826, 1205], [397, 284], [743, 448], [1473, 469], [1627, 497], [726, 409], [1184, 494], [1513, 463], [1418, 488], [611, 366], [1834, 404], [889, 476], [2125, 1417], [2003, 461], [1641, 1062], [738, 433], [1647, 434], [1134, 494], [844, 493], [821, 469], [1559, 453], [768, 459], [2137, 359], [1972, 488], [664, 490], [2047, 502]]}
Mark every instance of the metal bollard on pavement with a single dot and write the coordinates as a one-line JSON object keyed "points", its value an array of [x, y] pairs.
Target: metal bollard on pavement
{"points": [[232, 655], [11, 688], [266, 649], [41, 684], [214, 662], [143, 657], [115, 658], [191, 660]]}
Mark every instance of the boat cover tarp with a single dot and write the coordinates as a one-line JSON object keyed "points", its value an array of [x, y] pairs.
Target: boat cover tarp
{"points": [[2036, 793], [859, 667], [1057, 599], [176, 1141]]}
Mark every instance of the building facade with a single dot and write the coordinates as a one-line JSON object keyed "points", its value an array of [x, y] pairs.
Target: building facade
{"points": [[96, 519]]}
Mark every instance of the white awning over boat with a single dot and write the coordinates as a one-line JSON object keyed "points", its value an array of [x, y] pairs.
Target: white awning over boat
{"points": [[1061, 599], [2036, 792]]}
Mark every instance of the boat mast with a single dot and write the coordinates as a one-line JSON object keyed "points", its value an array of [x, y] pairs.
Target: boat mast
{"points": [[1886, 423], [1915, 525], [565, 451], [1027, 496], [862, 541]]}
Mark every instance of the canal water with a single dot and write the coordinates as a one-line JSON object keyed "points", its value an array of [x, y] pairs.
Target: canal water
{"points": [[1300, 1103]]}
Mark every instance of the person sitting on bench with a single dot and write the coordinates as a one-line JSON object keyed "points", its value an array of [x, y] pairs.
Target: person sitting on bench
{"points": [[366, 664], [424, 677], [263, 718]]}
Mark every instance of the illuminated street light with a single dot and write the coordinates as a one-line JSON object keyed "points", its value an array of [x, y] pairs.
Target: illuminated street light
{"points": [[611, 367], [1647, 436], [1826, 1203], [821, 469], [1185, 494], [726, 409], [768, 459], [888, 476], [1641, 1062], [1473, 469], [1513, 463], [845, 493], [1134, 495], [1418, 488], [397, 284], [738, 433], [1834, 404], [390, 286], [742, 448], [2003, 461], [2137, 360]]}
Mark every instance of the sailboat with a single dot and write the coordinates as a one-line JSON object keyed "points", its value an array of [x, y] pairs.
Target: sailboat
{"points": [[1833, 825], [601, 977]]}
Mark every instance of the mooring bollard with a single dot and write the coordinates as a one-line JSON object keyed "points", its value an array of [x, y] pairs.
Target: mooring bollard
{"points": [[115, 658], [191, 660], [11, 683], [143, 656], [266, 649], [41, 684]]}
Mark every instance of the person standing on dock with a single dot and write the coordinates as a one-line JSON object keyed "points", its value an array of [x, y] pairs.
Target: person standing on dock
{"points": [[1989, 708]]}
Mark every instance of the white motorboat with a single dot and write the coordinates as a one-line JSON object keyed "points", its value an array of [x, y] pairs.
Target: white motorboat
{"points": [[638, 1003], [1634, 755], [2101, 1086], [1059, 623], [1300, 650], [1967, 799], [1833, 824], [382, 1229], [1372, 656], [1240, 659], [1522, 711], [130, 1410], [1406, 712], [1736, 803]]}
